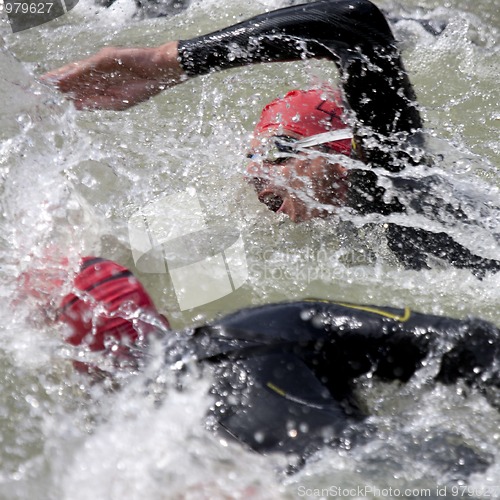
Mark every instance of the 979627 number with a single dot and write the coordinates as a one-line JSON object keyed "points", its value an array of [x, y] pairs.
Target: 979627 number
{"points": [[26, 7]]}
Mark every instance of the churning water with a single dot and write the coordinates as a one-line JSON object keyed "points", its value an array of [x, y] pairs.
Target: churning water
{"points": [[71, 182]]}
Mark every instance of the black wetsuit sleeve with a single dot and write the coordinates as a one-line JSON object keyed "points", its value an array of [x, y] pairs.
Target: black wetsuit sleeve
{"points": [[412, 246], [352, 33]]}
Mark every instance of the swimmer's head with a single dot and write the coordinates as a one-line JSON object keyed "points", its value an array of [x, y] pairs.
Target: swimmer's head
{"points": [[295, 165], [109, 310], [306, 113]]}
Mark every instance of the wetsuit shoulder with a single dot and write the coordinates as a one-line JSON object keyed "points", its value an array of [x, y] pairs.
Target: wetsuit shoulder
{"points": [[288, 367]]}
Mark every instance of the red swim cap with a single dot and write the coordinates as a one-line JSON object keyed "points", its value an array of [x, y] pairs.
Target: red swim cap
{"points": [[307, 113], [104, 309]]}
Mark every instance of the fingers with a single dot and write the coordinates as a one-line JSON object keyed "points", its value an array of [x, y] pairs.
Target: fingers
{"points": [[91, 89], [57, 74], [84, 83], [99, 70], [69, 76]]}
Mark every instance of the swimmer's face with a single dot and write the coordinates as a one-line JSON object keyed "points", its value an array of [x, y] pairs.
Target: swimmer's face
{"points": [[302, 184]]}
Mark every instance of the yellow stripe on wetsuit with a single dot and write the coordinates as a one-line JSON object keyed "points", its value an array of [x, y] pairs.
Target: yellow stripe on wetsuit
{"points": [[375, 310], [405, 317], [293, 398]]}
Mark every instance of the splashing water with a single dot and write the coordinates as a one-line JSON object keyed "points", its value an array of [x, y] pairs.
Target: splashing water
{"points": [[70, 183]]}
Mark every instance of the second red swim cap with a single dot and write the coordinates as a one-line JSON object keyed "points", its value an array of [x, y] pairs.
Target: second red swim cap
{"points": [[109, 309], [306, 112]]}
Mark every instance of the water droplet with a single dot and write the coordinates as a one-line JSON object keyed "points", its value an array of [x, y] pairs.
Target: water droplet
{"points": [[259, 437], [32, 401]]}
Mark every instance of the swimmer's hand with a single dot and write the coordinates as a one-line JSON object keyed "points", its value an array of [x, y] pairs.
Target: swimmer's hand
{"points": [[118, 78]]}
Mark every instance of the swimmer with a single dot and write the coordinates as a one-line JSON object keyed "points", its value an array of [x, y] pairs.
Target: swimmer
{"points": [[307, 179], [283, 374]]}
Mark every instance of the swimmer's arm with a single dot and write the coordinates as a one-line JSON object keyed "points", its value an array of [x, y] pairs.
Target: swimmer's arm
{"points": [[118, 78], [350, 32], [467, 350]]}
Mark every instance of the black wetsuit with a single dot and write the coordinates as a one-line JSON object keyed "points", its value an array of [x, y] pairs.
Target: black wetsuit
{"points": [[355, 35], [284, 372]]}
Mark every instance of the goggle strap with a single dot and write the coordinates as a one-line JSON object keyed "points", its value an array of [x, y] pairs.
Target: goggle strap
{"points": [[316, 140]]}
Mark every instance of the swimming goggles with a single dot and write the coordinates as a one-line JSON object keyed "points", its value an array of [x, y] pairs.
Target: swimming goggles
{"points": [[280, 148]]}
